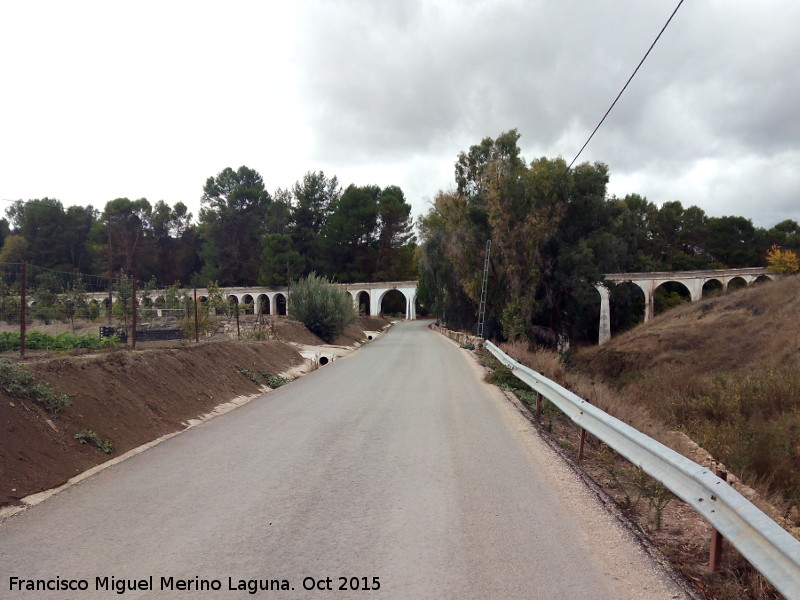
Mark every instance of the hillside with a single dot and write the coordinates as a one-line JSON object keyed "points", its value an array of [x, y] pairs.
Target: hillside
{"points": [[726, 371]]}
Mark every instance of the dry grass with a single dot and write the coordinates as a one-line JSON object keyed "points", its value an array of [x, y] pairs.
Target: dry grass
{"points": [[598, 393], [679, 532], [724, 373], [724, 370]]}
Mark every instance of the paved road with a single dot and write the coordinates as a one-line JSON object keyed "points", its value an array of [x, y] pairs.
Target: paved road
{"points": [[397, 466]]}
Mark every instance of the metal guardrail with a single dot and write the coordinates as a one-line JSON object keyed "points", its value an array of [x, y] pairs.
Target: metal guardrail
{"points": [[766, 545]]}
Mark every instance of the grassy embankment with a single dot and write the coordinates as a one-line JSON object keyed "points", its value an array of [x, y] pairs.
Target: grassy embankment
{"points": [[725, 371]]}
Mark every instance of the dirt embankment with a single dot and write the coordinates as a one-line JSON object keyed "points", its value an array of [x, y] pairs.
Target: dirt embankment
{"points": [[131, 398]]}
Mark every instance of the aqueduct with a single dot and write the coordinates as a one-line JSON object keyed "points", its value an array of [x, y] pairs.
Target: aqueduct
{"points": [[693, 281], [275, 300], [368, 297]]}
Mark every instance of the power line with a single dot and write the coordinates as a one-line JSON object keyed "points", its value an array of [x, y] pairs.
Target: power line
{"points": [[622, 91]]}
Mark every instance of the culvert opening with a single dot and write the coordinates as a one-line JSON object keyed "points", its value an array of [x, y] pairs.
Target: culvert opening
{"points": [[323, 360], [369, 337]]}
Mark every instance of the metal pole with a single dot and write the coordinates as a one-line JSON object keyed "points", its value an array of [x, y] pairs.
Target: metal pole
{"points": [[133, 317], [110, 278], [238, 332], [715, 551], [22, 315], [482, 306], [196, 321]]}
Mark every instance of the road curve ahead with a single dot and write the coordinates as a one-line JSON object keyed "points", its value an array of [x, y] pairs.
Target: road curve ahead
{"points": [[396, 471]]}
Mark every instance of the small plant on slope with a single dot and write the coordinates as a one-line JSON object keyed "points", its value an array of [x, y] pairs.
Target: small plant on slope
{"points": [[250, 375], [90, 435], [18, 382], [273, 381]]}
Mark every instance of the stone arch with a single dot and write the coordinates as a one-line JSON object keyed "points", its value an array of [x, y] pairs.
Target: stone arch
{"points": [[280, 304], [248, 305], [394, 304], [762, 279], [712, 286], [233, 303], [669, 294], [362, 302], [737, 283], [628, 306], [262, 304]]}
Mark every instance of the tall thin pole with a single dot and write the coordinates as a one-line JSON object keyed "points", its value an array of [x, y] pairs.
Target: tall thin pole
{"points": [[288, 287], [482, 307], [196, 320], [110, 277], [22, 306], [238, 332], [133, 317]]}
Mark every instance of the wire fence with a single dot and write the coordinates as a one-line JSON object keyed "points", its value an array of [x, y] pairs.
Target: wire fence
{"points": [[43, 309]]}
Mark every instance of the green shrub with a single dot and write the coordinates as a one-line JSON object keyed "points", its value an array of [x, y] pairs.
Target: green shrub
{"points": [[503, 377], [37, 340], [250, 375], [110, 342], [322, 307], [273, 381], [18, 382], [90, 435]]}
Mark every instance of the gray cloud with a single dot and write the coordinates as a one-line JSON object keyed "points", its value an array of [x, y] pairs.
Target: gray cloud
{"points": [[400, 81]]}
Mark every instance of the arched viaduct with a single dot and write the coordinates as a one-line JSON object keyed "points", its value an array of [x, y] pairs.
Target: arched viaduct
{"points": [[275, 300], [694, 281]]}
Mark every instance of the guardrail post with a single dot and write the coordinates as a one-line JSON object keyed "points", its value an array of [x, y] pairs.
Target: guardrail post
{"points": [[581, 443], [538, 406], [715, 550]]}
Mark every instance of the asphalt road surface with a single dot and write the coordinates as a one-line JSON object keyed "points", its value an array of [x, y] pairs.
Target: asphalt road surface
{"points": [[393, 473]]}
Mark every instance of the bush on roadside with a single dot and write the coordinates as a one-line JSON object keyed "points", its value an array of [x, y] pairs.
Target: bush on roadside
{"points": [[324, 308]]}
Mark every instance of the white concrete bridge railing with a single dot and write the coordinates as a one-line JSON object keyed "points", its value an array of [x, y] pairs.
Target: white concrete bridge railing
{"points": [[275, 300], [694, 281]]}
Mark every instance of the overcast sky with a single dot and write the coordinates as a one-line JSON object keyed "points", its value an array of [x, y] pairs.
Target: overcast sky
{"points": [[148, 99]]}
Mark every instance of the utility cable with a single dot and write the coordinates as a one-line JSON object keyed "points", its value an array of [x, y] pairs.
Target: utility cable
{"points": [[622, 91]]}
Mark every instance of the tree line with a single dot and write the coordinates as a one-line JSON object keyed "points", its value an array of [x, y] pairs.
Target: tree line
{"points": [[554, 233], [244, 235]]}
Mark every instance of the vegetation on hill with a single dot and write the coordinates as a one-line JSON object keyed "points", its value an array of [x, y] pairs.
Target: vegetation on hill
{"points": [[554, 233], [725, 371]]}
